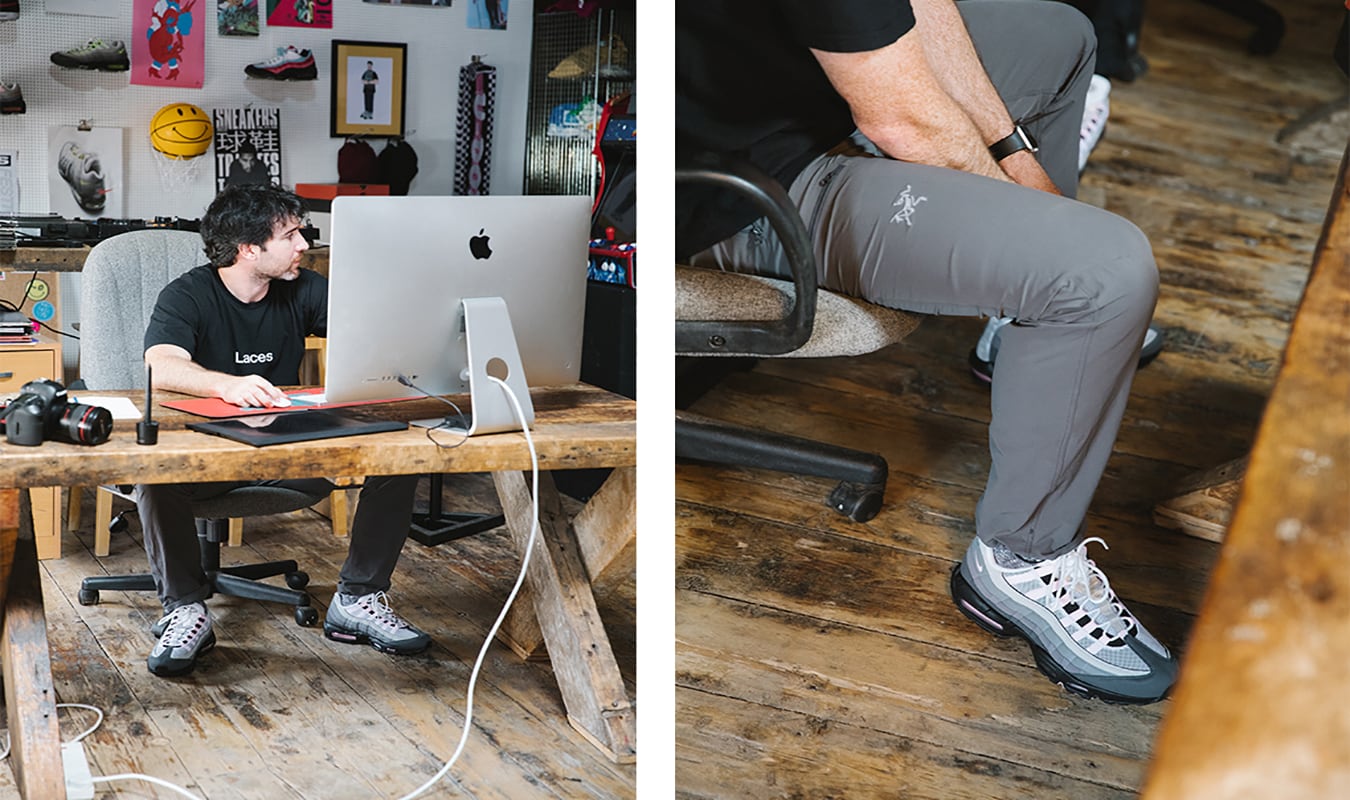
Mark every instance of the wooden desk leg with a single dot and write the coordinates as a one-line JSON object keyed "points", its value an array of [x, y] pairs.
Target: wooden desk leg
{"points": [[47, 521], [583, 661], [606, 531], [30, 699]]}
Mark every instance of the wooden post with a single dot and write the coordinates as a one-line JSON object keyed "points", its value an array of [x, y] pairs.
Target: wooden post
{"points": [[583, 661], [30, 699]]}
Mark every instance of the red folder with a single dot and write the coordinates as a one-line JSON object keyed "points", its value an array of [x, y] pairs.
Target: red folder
{"points": [[215, 408]]}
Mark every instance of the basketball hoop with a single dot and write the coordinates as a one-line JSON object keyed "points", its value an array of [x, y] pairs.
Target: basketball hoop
{"points": [[175, 174], [179, 134]]}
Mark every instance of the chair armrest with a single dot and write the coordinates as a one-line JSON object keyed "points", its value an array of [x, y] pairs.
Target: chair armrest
{"points": [[774, 337]]}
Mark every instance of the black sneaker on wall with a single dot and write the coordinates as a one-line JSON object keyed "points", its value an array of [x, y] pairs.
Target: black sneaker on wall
{"points": [[9, 10]]}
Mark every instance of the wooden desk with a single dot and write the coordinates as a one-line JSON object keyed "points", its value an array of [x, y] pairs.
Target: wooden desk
{"points": [[19, 364], [576, 427], [1263, 705]]}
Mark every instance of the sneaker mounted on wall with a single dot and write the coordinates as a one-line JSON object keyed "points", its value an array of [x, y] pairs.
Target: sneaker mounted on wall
{"points": [[11, 98], [186, 634], [984, 353], [289, 64], [9, 10], [84, 175], [108, 55], [1082, 636], [368, 619]]}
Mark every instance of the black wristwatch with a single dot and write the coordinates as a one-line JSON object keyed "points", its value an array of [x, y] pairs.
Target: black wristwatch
{"points": [[1014, 142]]}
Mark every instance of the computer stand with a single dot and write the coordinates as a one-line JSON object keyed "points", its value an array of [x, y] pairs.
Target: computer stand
{"points": [[492, 351], [438, 527]]}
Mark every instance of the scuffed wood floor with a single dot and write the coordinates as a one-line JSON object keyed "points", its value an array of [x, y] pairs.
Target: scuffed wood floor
{"points": [[278, 711], [820, 658]]}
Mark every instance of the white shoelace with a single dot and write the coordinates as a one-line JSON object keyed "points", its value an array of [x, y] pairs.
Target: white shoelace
{"points": [[1076, 578], [185, 625], [381, 614]]}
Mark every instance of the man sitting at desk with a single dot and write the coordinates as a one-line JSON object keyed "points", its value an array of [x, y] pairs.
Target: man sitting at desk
{"points": [[235, 329]]}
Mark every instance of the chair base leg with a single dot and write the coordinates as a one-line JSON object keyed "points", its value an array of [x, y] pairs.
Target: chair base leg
{"points": [[862, 475]]}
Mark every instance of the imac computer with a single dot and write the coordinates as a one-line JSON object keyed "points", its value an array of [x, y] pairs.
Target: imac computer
{"points": [[442, 291]]}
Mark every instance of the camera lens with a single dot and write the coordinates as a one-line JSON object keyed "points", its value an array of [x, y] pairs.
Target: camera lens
{"points": [[82, 424]]}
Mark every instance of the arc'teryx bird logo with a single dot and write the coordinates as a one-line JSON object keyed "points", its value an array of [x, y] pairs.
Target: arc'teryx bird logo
{"points": [[906, 202]]}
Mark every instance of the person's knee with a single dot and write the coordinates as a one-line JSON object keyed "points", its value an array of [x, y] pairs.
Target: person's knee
{"points": [[1127, 273]]}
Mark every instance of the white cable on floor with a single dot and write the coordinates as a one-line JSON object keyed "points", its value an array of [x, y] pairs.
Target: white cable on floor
{"points": [[510, 598], [136, 776]]}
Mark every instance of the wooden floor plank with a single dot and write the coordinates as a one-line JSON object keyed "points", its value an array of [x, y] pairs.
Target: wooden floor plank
{"points": [[278, 711]]}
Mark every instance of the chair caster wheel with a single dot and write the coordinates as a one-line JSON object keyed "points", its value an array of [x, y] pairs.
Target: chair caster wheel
{"points": [[297, 580], [306, 616], [88, 597], [857, 501]]}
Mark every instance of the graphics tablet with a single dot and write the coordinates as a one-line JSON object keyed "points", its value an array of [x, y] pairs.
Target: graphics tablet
{"points": [[295, 426]]}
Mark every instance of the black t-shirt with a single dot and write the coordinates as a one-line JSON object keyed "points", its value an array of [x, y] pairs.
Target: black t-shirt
{"points": [[747, 84], [267, 338]]}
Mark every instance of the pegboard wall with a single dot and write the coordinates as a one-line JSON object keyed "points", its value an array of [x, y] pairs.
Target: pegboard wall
{"points": [[439, 42]]}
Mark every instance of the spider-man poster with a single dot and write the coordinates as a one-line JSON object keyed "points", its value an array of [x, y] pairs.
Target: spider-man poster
{"points": [[300, 13], [168, 42]]}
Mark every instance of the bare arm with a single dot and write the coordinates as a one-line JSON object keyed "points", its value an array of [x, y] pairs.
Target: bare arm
{"points": [[175, 371], [947, 45], [902, 98]]}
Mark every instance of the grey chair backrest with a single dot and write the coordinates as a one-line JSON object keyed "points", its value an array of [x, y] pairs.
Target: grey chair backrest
{"points": [[120, 283]]}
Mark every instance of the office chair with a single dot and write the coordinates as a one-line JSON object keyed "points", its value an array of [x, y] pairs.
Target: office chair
{"points": [[122, 278], [739, 315]]}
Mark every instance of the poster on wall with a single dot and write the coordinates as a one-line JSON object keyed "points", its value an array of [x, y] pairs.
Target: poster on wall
{"points": [[437, 3], [248, 146], [489, 15], [237, 17], [300, 13], [9, 181], [87, 8], [86, 173], [168, 45]]}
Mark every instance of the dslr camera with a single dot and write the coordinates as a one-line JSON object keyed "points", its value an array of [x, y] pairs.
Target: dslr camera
{"points": [[42, 411]]}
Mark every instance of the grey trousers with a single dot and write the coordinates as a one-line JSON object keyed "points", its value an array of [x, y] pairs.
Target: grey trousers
{"points": [[1080, 282], [383, 518]]}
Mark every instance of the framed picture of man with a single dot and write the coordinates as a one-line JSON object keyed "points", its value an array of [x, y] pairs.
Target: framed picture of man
{"points": [[369, 87]]}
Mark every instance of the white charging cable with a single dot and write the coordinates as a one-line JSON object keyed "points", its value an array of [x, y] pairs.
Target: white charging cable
{"points": [[510, 598], [130, 776]]}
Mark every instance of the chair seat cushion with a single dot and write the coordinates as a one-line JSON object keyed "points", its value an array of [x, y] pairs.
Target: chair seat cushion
{"points": [[255, 501], [844, 326]]}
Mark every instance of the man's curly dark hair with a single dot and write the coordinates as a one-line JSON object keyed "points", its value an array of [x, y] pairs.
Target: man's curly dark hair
{"points": [[246, 215]]}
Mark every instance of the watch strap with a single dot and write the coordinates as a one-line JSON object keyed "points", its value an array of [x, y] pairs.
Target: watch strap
{"points": [[1014, 142]]}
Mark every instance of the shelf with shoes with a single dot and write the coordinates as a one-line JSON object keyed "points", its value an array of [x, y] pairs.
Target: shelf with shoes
{"points": [[578, 63]]}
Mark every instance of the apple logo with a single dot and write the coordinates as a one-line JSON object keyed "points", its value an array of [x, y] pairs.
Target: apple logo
{"points": [[478, 245]]}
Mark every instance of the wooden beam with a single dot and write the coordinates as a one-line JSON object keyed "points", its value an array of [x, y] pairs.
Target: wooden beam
{"points": [[30, 699], [583, 661], [1260, 709]]}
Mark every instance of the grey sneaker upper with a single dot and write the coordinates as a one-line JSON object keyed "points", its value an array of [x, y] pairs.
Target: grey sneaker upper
{"points": [[187, 633], [1065, 606], [371, 616]]}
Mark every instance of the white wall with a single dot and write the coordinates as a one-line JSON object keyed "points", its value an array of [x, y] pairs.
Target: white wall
{"points": [[439, 43]]}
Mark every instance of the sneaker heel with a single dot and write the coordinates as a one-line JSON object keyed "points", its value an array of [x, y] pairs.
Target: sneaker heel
{"points": [[976, 609]]}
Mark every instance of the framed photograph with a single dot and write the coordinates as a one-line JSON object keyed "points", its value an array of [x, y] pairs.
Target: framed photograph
{"points": [[369, 88]]}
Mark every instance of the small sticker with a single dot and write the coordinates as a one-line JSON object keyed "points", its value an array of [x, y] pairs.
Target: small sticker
{"points": [[43, 311], [39, 290]]}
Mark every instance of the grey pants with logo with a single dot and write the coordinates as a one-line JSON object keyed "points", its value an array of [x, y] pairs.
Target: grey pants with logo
{"points": [[383, 518], [1080, 281]]}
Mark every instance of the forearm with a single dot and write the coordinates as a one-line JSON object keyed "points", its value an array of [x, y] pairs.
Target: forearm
{"points": [[958, 69], [901, 106], [175, 371]]}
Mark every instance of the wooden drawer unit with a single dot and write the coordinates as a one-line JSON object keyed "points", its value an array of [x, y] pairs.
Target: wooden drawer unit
{"points": [[20, 364]]}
